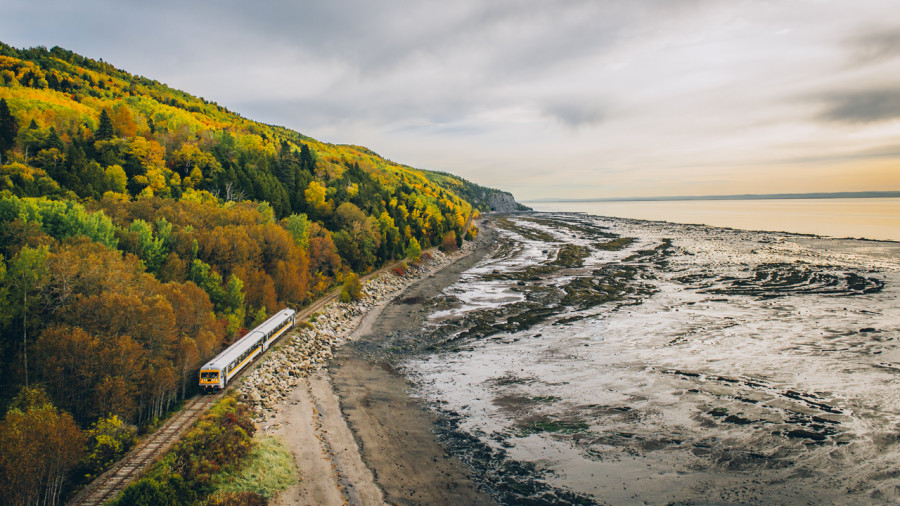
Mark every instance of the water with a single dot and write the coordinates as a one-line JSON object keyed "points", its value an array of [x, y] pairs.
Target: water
{"points": [[693, 364], [861, 218]]}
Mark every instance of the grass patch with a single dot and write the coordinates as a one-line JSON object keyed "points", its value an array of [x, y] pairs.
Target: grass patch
{"points": [[269, 469], [616, 244], [571, 255], [532, 273], [553, 426]]}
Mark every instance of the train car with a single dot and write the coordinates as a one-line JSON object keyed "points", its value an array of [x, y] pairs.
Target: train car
{"points": [[216, 373]]}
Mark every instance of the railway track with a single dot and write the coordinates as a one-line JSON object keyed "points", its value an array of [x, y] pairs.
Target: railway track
{"points": [[108, 485]]}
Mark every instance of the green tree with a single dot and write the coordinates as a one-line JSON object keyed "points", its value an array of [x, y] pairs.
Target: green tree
{"points": [[307, 162], [5, 314], [149, 249], [105, 129], [259, 317], [210, 281], [413, 251], [234, 295], [27, 270], [116, 180], [9, 128], [298, 226]]}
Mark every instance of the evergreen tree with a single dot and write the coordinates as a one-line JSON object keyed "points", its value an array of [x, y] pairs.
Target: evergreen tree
{"points": [[9, 128], [53, 140], [105, 130], [307, 162]]}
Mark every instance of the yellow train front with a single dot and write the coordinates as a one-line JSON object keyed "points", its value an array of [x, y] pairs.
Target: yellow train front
{"points": [[215, 374]]}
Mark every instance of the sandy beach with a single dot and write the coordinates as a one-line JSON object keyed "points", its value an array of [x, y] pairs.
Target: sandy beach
{"points": [[357, 436]]}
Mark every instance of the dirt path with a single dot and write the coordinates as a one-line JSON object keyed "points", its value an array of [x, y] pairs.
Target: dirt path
{"points": [[393, 429], [332, 471]]}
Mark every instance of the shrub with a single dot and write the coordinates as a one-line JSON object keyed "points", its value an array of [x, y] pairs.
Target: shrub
{"points": [[186, 475], [164, 490], [400, 270], [352, 289], [449, 243], [108, 440], [219, 439]]}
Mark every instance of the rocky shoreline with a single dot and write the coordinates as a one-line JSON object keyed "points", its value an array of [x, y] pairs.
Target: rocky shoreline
{"points": [[311, 347]]}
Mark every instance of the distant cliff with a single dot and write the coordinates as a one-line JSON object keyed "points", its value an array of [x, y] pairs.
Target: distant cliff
{"points": [[481, 197], [503, 202]]}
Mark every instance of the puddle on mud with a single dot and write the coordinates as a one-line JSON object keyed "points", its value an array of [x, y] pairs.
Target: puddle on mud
{"points": [[612, 360]]}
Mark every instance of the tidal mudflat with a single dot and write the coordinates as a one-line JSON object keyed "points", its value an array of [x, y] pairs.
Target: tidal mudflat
{"points": [[590, 359]]}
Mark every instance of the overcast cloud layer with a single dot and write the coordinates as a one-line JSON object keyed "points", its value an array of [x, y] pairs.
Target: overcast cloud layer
{"points": [[541, 98]]}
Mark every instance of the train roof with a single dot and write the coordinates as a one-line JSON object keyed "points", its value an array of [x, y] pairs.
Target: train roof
{"points": [[243, 343]]}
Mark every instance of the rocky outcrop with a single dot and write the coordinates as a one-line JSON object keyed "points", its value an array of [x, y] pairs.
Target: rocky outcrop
{"points": [[311, 345], [504, 202]]}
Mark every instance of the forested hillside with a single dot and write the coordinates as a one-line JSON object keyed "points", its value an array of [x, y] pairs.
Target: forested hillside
{"points": [[142, 229]]}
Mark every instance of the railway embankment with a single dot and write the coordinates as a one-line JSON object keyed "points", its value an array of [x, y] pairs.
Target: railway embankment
{"points": [[311, 347]]}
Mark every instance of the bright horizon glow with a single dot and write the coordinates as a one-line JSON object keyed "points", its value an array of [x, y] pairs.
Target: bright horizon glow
{"points": [[544, 99], [871, 218]]}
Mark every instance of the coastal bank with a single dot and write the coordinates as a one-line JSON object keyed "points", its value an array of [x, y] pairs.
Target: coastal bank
{"points": [[344, 412]]}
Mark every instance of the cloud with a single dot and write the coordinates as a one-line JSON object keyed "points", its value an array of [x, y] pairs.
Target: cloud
{"points": [[875, 46], [521, 93], [575, 113], [864, 106]]}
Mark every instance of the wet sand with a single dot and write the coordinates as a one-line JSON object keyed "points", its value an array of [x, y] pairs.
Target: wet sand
{"points": [[357, 435], [393, 430]]}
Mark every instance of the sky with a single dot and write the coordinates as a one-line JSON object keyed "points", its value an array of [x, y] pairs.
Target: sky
{"points": [[543, 98]]}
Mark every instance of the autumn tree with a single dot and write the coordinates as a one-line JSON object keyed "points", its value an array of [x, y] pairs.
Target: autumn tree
{"points": [[39, 445], [67, 363], [187, 359], [316, 199], [122, 122], [449, 242]]}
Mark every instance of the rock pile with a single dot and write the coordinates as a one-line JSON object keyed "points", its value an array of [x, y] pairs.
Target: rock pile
{"points": [[310, 347]]}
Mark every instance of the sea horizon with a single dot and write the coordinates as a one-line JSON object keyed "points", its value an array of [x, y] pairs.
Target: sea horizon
{"points": [[738, 196], [869, 218]]}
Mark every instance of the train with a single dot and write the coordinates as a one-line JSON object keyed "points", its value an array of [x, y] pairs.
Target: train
{"points": [[215, 374]]}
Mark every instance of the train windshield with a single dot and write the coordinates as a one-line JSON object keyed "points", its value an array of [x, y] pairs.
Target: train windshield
{"points": [[209, 375]]}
